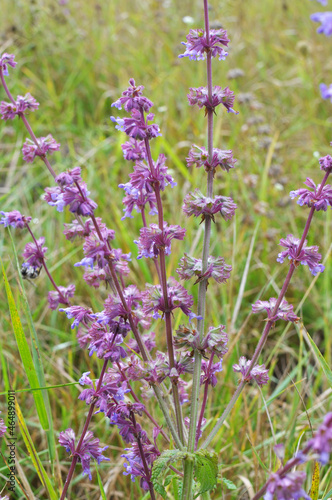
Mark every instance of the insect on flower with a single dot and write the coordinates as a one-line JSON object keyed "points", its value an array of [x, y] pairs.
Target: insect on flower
{"points": [[29, 272]]}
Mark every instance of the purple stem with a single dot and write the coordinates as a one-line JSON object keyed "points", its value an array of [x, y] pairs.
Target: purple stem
{"points": [[85, 428], [132, 392], [267, 328], [206, 388], [63, 299], [141, 451], [163, 283]]}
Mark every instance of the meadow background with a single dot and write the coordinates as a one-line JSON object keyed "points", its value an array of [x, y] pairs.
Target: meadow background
{"points": [[76, 59]]}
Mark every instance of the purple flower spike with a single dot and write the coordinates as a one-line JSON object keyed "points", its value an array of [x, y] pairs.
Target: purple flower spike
{"points": [[45, 145], [8, 110], [33, 254], [199, 156], [77, 197], [137, 199], [200, 97], [285, 310], [90, 449], [144, 180], [321, 443], [153, 239], [14, 219], [209, 376], [68, 178], [325, 18], [258, 373], [288, 487], [308, 256], [216, 269], [197, 204], [326, 163], [5, 61], [312, 198], [197, 45], [133, 98], [326, 91], [54, 298], [80, 315]]}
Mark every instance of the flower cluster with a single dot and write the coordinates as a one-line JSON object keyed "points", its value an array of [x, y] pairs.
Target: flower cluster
{"points": [[44, 145], [307, 256], [200, 96], [325, 18], [197, 204], [9, 110], [258, 373], [284, 311], [5, 61], [60, 296], [318, 198], [34, 252], [214, 342], [216, 269], [14, 219], [89, 449], [152, 239], [199, 157], [198, 44]]}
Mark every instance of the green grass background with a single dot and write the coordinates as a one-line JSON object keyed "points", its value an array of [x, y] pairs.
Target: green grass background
{"points": [[75, 59]]}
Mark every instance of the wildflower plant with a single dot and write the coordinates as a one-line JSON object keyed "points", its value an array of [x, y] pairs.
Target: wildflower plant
{"points": [[177, 450]]}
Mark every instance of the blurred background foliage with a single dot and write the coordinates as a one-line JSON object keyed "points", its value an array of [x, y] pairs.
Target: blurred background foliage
{"points": [[76, 58]]}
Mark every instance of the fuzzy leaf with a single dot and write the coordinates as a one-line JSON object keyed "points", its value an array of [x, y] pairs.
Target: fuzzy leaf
{"points": [[206, 471], [161, 465], [229, 484]]}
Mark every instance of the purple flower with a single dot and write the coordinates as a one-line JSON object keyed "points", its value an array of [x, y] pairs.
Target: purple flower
{"points": [[77, 199], [95, 251], [69, 177], [5, 61], [312, 198], [14, 219], [137, 126], [215, 341], [144, 180], [325, 91], [197, 45], [89, 449], [197, 204], [76, 229], [200, 97], [153, 299], [321, 443], [152, 239], [137, 199], [45, 145], [288, 487], [80, 315], [133, 98], [133, 150], [9, 110], [199, 156], [134, 465], [54, 298], [326, 163], [34, 254], [308, 256], [285, 310], [216, 269], [258, 373], [3, 428], [325, 18], [209, 375]]}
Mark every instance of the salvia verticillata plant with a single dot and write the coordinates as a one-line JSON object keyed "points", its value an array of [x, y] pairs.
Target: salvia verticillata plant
{"points": [[175, 453]]}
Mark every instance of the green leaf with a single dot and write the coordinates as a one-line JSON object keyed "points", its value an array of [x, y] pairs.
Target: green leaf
{"points": [[25, 354], [100, 484], [206, 471], [161, 465], [229, 484]]}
